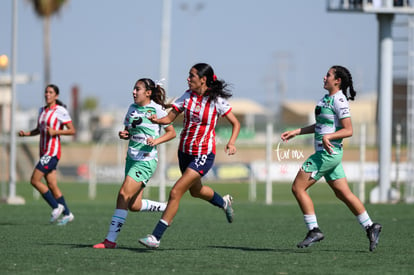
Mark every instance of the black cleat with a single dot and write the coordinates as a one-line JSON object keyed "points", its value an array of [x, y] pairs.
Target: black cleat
{"points": [[313, 236], [373, 233]]}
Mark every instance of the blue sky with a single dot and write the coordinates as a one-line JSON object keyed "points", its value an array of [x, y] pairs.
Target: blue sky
{"points": [[104, 46]]}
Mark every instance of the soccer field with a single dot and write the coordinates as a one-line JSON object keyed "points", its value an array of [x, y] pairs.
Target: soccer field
{"points": [[262, 239]]}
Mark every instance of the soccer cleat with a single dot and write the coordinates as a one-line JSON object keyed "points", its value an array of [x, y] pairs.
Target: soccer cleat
{"points": [[373, 233], [313, 236], [56, 212], [65, 219], [228, 209], [105, 244], [150, 241]]}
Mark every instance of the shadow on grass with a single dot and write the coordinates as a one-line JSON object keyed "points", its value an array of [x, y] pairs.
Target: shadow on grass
{"points": [[289, 250], [253, 249], [241, 248], [10, 223], [134, 249]]}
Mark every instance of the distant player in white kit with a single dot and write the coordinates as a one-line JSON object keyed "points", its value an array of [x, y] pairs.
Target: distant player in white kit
{"points": [[51, 123]]}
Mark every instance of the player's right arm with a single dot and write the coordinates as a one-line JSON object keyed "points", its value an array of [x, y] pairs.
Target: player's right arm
{"points": [[167, 119], [300, 131], [33, 132]]}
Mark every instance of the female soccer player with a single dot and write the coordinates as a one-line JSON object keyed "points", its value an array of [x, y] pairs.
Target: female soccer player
{"points": [[333, 123], [141, 160], [51, 123], [201, 104]]}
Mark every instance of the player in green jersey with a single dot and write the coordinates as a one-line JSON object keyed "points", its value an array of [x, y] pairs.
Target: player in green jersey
{"points": [[141, 160], [333, 123]]}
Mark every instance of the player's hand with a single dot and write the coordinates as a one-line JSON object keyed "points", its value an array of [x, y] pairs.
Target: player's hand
{"points": [[153, 119], [52, 132], [289, 135], [327, 145], [123, 134], [151, 142], [230, 149]]}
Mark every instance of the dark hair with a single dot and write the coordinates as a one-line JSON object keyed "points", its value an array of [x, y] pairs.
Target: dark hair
{"points": [[346, 81], [217, 88], [158, 92], [56, 89]]}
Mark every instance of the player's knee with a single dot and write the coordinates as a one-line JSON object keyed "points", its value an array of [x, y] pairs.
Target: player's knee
{"points": [[34, 182], [294, 189], [194, 194], [134, 208], [175, 194]]}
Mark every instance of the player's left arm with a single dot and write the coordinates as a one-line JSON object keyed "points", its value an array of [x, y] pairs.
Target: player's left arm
{"points": [[230, 148], [67, 130], [168, 135], [342, 112], [345, 132]]}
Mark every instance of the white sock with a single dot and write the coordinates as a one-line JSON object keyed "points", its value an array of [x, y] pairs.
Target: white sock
{"points": [[152, 206], [118, 220], [364, 220], [310, 221]]}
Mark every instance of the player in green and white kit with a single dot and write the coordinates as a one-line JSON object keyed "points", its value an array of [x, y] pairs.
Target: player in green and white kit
{"points": [[141, 160], [333, 123]]}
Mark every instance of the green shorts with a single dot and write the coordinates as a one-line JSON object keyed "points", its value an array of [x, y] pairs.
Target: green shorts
{"points": [[322, 164], [140, 171]]}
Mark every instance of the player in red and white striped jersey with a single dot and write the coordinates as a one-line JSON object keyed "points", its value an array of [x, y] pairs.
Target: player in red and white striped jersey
{"points": [[53, 121], [201, 105]]}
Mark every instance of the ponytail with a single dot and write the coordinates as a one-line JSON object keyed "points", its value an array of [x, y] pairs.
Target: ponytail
{"points": [[58, 102], [346, 81]]}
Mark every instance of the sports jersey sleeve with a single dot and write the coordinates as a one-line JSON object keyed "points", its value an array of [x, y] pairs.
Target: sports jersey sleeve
{"points": [[341, 107], [162, 113], [223, 106], [178, 104], [63, 115], [126, 118]]}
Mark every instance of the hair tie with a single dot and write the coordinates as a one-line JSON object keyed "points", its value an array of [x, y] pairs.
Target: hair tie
{"points": [[159, 82], [214, 77]]}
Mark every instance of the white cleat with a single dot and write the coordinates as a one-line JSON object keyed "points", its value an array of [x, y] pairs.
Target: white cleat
{"points": [[150, 241], [56, 212], [228, 209], [65, 219]]}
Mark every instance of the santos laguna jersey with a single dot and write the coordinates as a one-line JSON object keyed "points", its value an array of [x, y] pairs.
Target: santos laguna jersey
{"points": [[140, 128], [200, 118], [328, 113], [55, 117]]}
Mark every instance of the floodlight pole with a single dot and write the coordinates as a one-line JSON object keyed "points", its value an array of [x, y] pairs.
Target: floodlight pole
{"points": [[13, 199], [385, 104], [164, 66]]}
